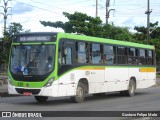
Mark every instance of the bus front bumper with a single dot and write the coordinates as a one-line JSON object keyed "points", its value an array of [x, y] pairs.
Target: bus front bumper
{"points": [[45, 91], [52, 91]]}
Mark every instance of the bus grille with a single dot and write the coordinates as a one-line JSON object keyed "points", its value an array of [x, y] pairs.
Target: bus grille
{"points": [[33, 91]]}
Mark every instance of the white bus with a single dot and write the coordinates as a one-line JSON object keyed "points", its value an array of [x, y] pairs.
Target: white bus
{"points": [[61, 64]]}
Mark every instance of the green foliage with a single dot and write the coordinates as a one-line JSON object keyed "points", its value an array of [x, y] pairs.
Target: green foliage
{"points": [[141, 33], [156, 43], [81, 23], [78, 23], [13, 29], [5, 43], [140, 37], [115, 32]]}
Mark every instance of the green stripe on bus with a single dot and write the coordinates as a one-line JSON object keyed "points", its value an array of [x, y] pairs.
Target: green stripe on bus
{"points": [[91, 68], [103, 40]]}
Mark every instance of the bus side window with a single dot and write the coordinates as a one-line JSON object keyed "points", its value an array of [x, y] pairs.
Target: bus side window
{"points": [[67, 55], [109, 54], [95, 54], [142, 60], [133, 56], [122, 55], [150, 57], [82, 52]]}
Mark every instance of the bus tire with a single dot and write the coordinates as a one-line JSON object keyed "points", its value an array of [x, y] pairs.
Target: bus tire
{"points": [[131, 89], [41, 99], [80, 94]]}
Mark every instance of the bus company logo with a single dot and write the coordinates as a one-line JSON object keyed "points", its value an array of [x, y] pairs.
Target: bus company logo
{"points": [[6, 114]]}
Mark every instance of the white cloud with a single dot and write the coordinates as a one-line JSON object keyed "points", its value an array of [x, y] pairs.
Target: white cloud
{"points": [[20, 8]]}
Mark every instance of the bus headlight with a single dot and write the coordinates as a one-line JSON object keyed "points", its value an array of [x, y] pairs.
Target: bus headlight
{"points": [[49, 83], [10, 82]]}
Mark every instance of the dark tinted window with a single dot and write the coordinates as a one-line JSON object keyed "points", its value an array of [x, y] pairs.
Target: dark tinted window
{"points": [[133, 56], [122, 55], [150, 58], [109, 56], [95, 54], [82, 52], [142, 57]]}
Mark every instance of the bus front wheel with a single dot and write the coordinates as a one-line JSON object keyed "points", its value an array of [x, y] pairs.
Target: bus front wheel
{"points": [[80, 94], [41, 99]]}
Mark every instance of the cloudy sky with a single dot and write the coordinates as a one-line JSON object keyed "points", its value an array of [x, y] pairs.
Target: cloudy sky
{"points": [[28, 13]]}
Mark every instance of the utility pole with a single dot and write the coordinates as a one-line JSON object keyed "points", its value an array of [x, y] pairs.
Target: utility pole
{"points": [[96, 8], [107, 15], [108, 11], [5, 8], [148, 12]]}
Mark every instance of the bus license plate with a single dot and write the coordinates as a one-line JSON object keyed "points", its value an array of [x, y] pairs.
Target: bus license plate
{"points": [[27, 93]]}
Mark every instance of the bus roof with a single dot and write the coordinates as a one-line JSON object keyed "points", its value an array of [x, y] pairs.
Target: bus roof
{"points": [[87, 38], [104, 40]]}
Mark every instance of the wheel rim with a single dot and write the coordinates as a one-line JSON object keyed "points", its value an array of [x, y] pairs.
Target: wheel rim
{"points": [[131, 88], [79, 92]]}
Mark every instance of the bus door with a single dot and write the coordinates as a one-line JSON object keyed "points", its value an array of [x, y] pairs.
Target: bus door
{"points": [[66, 60]]}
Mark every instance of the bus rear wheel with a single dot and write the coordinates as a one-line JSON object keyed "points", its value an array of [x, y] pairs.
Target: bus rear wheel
{"points": [[80, 94], [41, 99], [131, 89]]}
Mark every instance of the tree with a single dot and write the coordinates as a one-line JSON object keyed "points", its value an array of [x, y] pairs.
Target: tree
{"points": [[141, 34], [81, 23], [13, 29], [140, 37], [78, 23], [115, 32]]}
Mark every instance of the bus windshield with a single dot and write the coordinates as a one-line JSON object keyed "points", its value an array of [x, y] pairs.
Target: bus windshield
{"points": [[32, 59]]}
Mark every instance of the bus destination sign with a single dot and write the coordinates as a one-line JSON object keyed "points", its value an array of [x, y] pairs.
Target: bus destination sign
{"points": [[35, 38]]}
